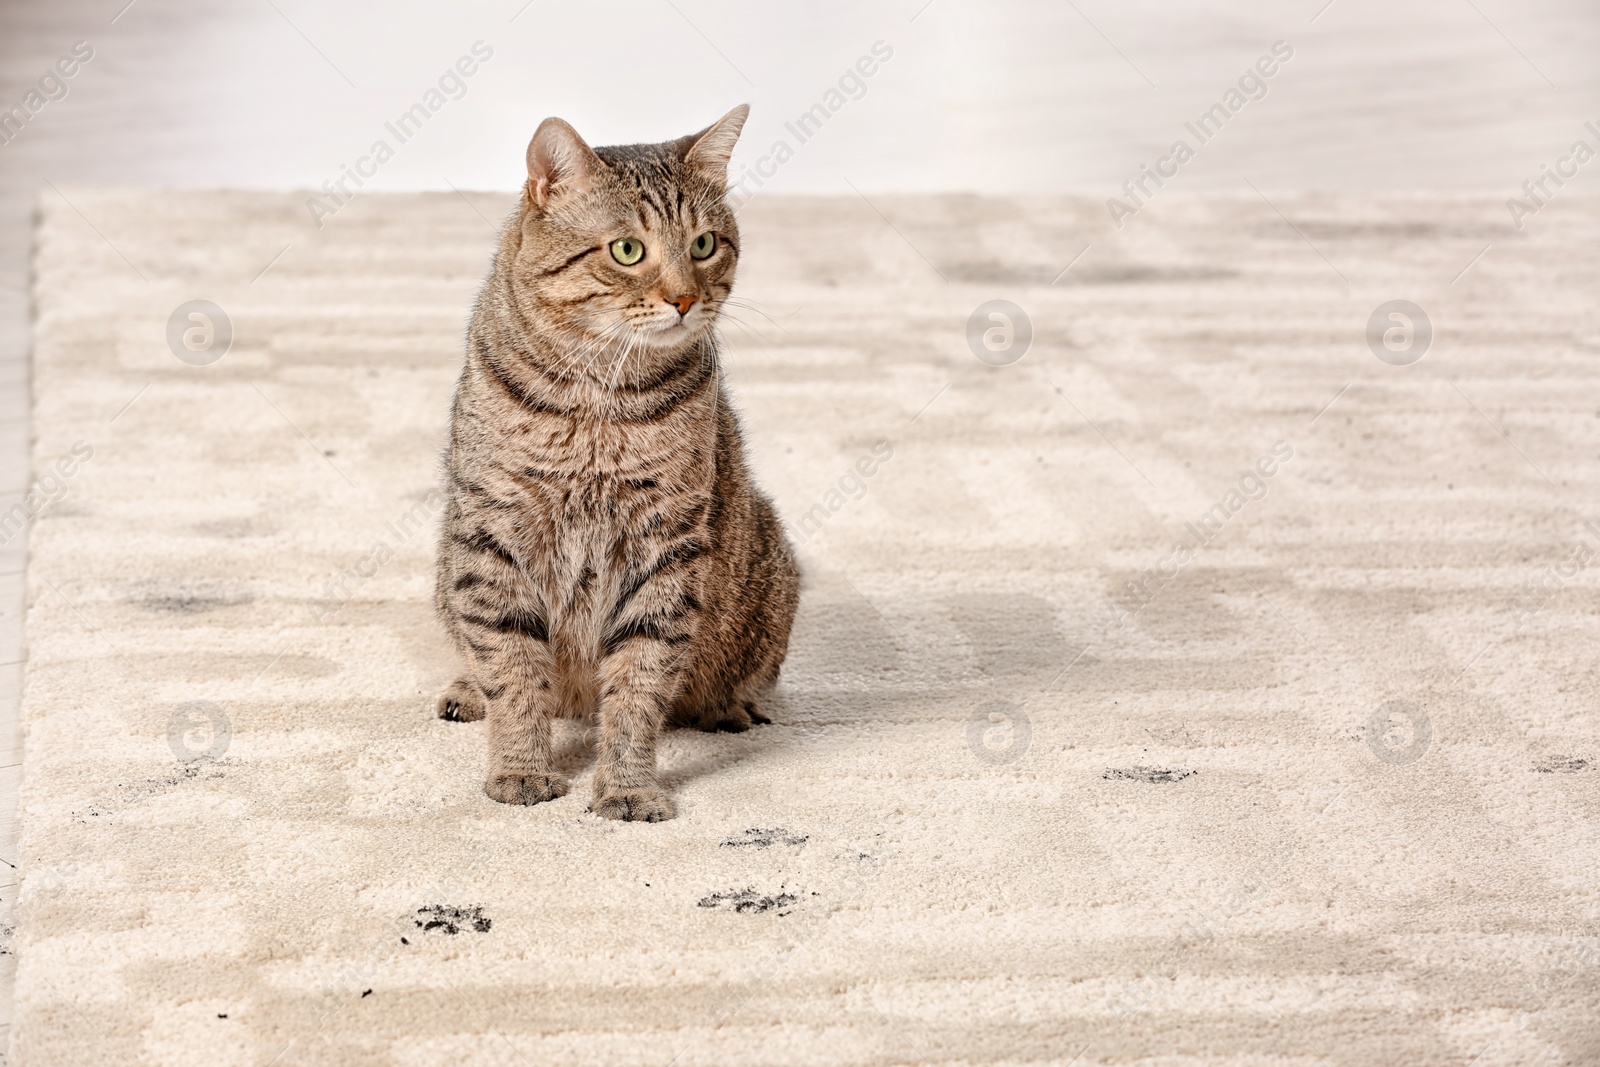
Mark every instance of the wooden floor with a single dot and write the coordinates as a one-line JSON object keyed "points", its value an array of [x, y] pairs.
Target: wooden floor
{"points": [[998, 98]]}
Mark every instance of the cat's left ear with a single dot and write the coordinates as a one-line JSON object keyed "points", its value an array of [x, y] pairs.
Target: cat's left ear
{"points": [[712, 147]]}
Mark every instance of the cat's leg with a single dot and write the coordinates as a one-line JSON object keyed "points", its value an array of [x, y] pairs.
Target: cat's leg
{"points": [[522, 705], [642, 669], [741, 661], [637, 683], [502, 630]]}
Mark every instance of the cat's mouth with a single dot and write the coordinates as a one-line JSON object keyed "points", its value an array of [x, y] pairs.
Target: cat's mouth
{"points": [[675, 328], [653, 332]]}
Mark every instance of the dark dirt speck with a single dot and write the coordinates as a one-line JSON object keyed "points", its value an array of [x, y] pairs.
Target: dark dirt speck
{"points": [[1562, 765], [758, 838], [449, 920], [1145, 774], [746, 901]]}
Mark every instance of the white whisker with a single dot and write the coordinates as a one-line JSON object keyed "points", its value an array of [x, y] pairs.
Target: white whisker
{"points": [[751, 307]]}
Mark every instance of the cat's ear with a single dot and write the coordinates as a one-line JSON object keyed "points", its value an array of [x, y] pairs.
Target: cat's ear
{"points": [[712, 147], [559, 162]]}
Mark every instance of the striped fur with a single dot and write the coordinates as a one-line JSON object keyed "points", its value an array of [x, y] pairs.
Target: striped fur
{"points": [[604, 551]]}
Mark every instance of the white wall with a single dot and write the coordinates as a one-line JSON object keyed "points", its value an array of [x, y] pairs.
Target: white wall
{"points": [[1004, 96]]}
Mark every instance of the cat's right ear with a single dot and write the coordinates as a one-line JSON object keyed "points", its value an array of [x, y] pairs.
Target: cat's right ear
{"points": [[559, 163]]}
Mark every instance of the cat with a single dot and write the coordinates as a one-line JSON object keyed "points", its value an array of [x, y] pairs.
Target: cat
{"points": [[605, 552]]}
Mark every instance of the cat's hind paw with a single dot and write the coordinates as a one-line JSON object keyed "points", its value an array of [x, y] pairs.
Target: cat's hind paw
{"points": [[460, 703], [733, 719]]}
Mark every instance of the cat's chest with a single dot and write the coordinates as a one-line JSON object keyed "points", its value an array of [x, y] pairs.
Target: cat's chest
{"points": [[595, 511], [609, 464], [584, 490]]}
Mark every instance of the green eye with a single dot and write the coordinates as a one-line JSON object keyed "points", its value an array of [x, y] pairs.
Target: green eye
{"points": [[704, 245], [627, 251]]}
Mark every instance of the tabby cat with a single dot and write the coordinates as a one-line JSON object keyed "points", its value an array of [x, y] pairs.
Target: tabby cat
{"points": [[605, 553]]}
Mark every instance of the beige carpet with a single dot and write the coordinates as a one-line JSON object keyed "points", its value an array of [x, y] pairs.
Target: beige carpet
{"points": [[1325, 790]]}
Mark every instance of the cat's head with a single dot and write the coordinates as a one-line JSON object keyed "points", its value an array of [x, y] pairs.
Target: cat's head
{"points": [[627, 248]]}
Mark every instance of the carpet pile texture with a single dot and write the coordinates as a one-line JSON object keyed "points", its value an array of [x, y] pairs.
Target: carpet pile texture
{"points": [[1178, 683]]}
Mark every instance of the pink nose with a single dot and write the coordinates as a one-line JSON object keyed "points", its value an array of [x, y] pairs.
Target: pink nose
{"points": [[682, 303]]}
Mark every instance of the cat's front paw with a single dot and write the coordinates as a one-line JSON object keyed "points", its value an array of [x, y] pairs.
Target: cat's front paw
{"points": [[634, 805], [460, 703], [525, 788]]}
